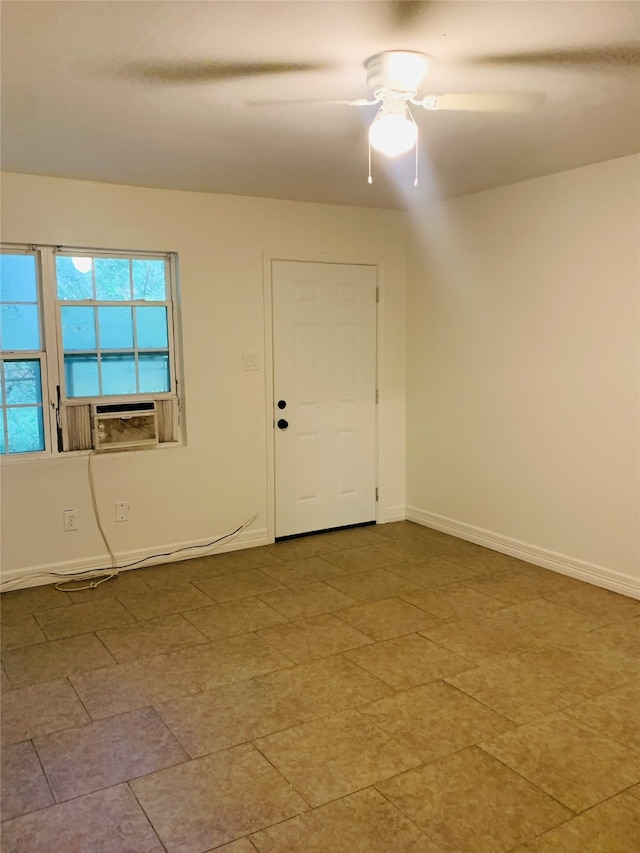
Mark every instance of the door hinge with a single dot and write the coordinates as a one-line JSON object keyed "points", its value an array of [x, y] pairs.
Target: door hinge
{"points": [[377, 294], [377, 396], [376, 494]]}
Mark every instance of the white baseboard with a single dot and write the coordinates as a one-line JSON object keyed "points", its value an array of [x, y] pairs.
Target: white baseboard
{"points": [[393, 513], [43, 574], [598, 575]]}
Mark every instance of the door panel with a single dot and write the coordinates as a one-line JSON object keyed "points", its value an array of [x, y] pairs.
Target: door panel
{"points": [[324, 332]]}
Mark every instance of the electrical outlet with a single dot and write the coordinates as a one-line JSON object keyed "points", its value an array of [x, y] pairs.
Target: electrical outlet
{"points": [[122, 511], [70, 520]]}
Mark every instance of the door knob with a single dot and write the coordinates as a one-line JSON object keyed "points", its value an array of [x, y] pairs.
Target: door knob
{"points": [[282, 424]]}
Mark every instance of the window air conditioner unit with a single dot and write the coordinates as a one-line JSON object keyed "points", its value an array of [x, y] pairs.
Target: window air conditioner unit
{"points": [[122, 426]]}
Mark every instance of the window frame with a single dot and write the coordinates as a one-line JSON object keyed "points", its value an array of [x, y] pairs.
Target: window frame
{"points": [[30, 355], [101, 303], [52, 373]]}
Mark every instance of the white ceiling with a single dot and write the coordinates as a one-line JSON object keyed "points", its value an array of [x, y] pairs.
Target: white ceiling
{"points": [[85, 93]]}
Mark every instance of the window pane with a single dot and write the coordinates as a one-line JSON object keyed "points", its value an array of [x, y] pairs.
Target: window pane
{"points": [[2, 444], [75, 280], [25, 428], [19, 327], [81, 375], [22, 380], [18, 278], [118, 374], [78, 328], [151, 327], [153, 369], [112, 279], [115, 327], [149, 280]]}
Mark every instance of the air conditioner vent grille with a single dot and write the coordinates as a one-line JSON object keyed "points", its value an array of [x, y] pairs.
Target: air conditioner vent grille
{"points": [[124, 408], [119, 426]]}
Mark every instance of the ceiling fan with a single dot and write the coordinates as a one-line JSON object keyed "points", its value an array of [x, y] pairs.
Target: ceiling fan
{"points": [[395, 77]]}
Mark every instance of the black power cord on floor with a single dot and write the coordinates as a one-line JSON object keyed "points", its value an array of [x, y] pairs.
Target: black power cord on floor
{"points": [[108, 573]]}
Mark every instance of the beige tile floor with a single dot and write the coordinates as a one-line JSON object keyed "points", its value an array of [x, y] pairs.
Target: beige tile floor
{"points": [[380, 690]]}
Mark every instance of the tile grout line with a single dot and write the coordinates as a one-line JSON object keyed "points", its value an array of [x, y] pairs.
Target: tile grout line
{"points": [[144, 812], [403, 813], [44, 773], [574, 813]]}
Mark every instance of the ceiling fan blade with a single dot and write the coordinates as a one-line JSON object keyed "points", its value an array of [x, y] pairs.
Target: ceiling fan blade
{"points": [[176, 73], [621, 55], [404, 13], [270, 102], [494, 102]]}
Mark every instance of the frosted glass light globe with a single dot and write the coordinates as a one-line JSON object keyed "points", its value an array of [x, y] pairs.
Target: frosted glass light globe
{"points": [[393, 134]]}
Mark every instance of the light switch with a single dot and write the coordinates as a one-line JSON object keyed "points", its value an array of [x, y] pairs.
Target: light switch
{"points": [[250, 361]]}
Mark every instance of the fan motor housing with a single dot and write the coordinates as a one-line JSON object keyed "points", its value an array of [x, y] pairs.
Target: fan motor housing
{"points": [[396, 71]]}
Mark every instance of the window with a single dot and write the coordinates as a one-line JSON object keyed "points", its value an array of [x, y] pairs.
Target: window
{"points": [[21, 356], [108, 322], [114, 317]]}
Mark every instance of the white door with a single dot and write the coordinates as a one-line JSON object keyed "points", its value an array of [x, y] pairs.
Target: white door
{"points": [[324, 348]]}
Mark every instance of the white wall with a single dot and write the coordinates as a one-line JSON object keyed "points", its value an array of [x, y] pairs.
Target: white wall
{"points": [[219, 479], [523, 370]]}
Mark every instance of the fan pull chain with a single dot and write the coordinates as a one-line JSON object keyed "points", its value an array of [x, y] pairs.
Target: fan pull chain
{"points": [[369, 179], [415, 181]]}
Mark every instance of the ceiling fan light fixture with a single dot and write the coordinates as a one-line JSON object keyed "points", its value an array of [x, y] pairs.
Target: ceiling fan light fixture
{"points": [[393, 134], [399, 71], [406, 68]]}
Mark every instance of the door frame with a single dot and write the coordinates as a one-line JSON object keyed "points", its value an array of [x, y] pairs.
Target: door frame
{"points": [[320, 258]]}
